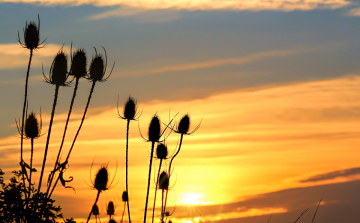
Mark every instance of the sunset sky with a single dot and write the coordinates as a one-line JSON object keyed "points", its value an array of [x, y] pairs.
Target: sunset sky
{"points": [[275, 85]]}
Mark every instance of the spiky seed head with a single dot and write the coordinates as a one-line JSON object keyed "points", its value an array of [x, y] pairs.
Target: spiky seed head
{"points": [[78, 64], [154, 129], [112, 221], [31, 36], [58, 74], [97, 68], [95, 210], [130, 109], [184, 125], [125, 196], [164, 181], [169, 221], [101, 179], [110, 208], [161, 151], [31, 127]]}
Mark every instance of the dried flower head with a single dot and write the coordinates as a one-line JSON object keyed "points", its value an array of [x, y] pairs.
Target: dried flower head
{"points": [[31, 36], [78, 64], [164, 181], [125, 196], [161, 151], [110, 210], [32, 128], [98, 66], [95, 210], [112, 221], [130, 109], [101, 182], [58, 70], [154, 132], [184, 125]]}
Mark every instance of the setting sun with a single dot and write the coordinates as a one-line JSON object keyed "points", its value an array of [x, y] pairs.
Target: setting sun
{"points": [[191, 198]]}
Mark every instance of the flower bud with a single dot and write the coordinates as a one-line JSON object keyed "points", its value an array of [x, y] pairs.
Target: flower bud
{"points": [[154, 129], [110, 208], [161, 151], [95, 210], [31, 127], [164, 181], [31, 36], [58, 71], [130, 109], [78, 64], [125, 197], [101, 179], [97, 68], [184, 125]]}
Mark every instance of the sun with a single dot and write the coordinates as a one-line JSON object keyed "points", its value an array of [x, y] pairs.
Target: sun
{"points": [[191, 198]]}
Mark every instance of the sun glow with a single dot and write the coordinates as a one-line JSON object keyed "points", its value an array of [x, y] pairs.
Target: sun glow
{"points": [[191, 198]]}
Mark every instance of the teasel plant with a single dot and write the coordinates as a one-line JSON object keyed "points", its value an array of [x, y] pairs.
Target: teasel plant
{"points": [[96, 74], [58, 76], [31, 42], [101, 183], [125, 199], [95, 212], [110, 209], [77, 70], [130, 114]]}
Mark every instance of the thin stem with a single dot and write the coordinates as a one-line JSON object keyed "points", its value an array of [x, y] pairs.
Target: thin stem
{"points": [[122, 217], [148, 187], [31, 160], [23, 114], [156, 187], [49, 133], [63, 138], [181, 139], [127, 165], [77, 133], [97, 197], [162, 206]]}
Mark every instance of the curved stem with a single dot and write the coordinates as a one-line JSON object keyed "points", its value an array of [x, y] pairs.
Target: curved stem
{"points": [[48, 137], [23, 113], [77, 133], [167, 191], [127, 166], [63, 138], [156, 187], [148, 187], [97, 197]]}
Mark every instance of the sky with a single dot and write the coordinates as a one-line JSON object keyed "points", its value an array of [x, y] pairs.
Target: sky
{"points": [[274, 85]]}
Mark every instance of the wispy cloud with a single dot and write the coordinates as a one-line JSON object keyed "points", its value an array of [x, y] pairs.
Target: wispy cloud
{"points": [[283, 5], [332, 175]]}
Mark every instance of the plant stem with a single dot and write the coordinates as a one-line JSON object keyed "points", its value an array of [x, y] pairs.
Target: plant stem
{"points": [[181, 139], [162, 206], [31, 159], [97, 197], [148, 187], [23, 113], [127, 165], [122, 217], [77, 133], [48, 137], [156, 187], [63, 138]]}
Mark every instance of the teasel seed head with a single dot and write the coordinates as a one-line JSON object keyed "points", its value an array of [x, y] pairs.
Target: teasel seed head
{"points": [[161, 151], [125, 196], [164, 181], [101, 179], [32, 129], [58, 70], [97, 68], [130, 109], [95, 210], [184, 125], [78, 64], [110, 208], [112, 221], [154, 133], [31, 35]]}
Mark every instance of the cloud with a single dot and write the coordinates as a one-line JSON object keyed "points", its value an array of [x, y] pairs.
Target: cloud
{"points": [[354, 12], [14, 56], [333, 175], [254, 5]]}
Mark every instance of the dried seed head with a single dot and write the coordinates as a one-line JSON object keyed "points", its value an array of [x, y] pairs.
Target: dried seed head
{"points": [[154, 129], [32, 127], [95, 210], [110, 208], [97, 68], [130, 109], [58, 70], [161, 151], [169, 221], [112, 221], [125, 197], [101, 179], [184, 125], [78, 64], [164, 181], [31, 36]]}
